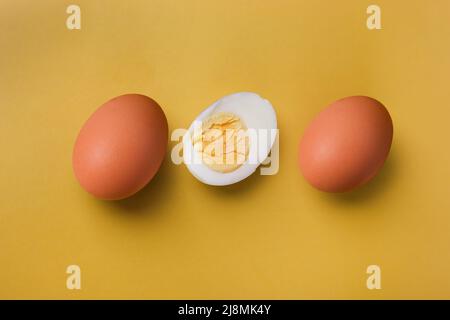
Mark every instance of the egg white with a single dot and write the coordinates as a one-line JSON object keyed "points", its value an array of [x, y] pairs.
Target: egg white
{"points": [[256, 113]]}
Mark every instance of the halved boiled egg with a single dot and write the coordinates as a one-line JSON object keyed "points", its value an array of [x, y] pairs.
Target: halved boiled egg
{"points": [[229, 140]]}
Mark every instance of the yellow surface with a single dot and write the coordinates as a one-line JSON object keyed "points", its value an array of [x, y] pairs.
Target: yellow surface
{"points": [[267, 237]]}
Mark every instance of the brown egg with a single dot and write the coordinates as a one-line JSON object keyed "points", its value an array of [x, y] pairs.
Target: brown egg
{"points": [[120, 147], [346, 144]]}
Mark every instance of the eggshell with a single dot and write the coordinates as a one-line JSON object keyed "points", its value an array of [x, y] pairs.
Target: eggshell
{"points": [[120, 147], [346, 144]]}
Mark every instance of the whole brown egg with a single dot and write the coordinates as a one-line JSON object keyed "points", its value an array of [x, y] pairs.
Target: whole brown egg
{"points": [[346, 144], [120, 147]]}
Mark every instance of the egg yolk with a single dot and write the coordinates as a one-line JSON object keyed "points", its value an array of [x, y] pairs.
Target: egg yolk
{"points": [[223, 142]]}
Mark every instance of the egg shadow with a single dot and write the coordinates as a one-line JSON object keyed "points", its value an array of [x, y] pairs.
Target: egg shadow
{"points": [[236, 190], [374, 188], [152, 197]]}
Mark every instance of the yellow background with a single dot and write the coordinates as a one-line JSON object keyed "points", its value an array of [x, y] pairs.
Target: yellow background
{"points": [[267, 237]]}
